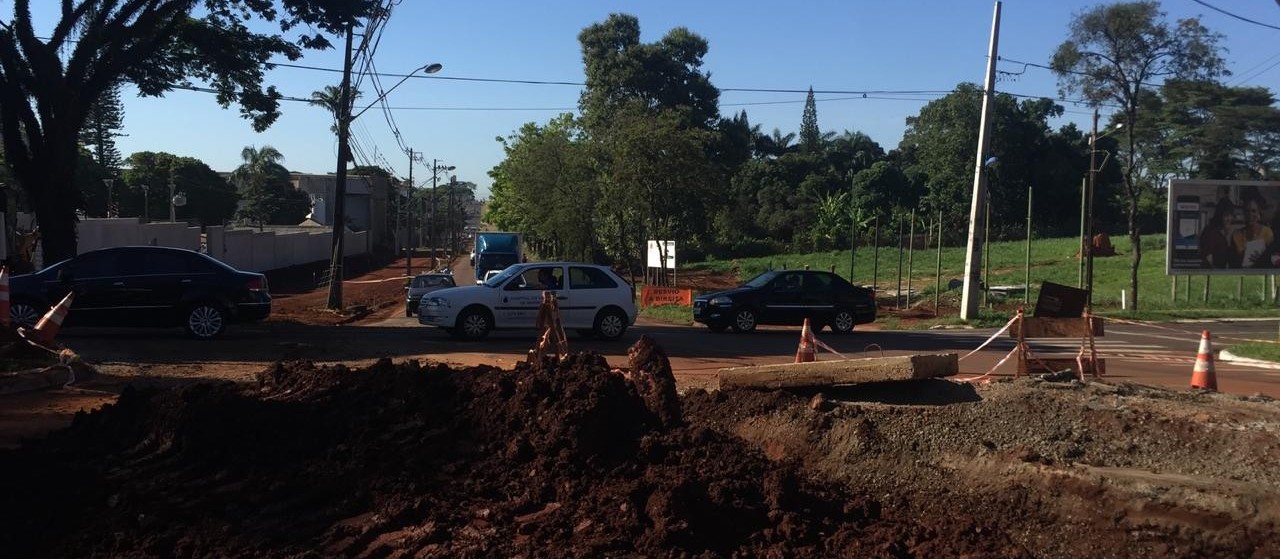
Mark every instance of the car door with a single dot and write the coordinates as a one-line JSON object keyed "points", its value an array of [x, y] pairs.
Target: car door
{"points": [[521, 298], [783, 300], [163, 281], [818, 296], [101, 297], [590, 289]]}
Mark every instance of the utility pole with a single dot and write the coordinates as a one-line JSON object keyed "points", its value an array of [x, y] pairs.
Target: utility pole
{"points": [[1088, 221], [973, 253], [340, 179], [431, 232], [448, 223], [408, 228]]}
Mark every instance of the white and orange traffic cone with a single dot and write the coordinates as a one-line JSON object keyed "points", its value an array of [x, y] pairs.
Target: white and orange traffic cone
{"points": [[47, 329], [4, 297], [1203, 376], [806, 353]]}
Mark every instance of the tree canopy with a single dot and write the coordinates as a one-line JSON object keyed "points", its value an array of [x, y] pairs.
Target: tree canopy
{"points": [[49, 79]]}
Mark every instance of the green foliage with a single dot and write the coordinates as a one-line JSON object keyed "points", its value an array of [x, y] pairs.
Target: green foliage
{"points": [[810, 134], [211, 200], [49, 79], [266, 194], [1212, 131], [102, 127]]}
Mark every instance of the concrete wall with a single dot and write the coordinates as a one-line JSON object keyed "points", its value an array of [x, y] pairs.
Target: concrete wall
{"points": [[102, 233], [259, 251]]}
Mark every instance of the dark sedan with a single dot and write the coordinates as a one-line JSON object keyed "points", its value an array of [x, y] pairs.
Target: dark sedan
{"points": [[143, 286], [787, 297]]}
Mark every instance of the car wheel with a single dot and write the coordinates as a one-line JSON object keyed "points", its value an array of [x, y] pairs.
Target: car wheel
{"points": [[842, 322], [206, 321], [744, 320], [22, 313], [717, 328], [473, 324], [610, 324]]}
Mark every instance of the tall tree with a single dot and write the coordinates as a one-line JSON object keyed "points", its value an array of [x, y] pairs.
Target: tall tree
{"points": [[157, 45], [102, 127], [810, 135], [621, 70], [1113, 54], [330, 98]]}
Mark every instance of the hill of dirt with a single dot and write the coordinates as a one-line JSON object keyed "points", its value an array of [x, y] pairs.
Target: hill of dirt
{"points": [[578, 460]]}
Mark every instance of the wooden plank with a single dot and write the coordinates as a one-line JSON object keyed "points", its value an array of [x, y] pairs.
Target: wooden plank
{"points": [[845, 371], [1055, 364], [1044, 327]]}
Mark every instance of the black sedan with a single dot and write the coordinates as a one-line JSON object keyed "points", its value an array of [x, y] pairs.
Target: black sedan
{"points": [[787, 297], [143, 286]]}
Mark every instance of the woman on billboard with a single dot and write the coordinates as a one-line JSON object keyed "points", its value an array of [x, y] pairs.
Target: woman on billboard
{"points": [[1215, 241], [1252, 241]]}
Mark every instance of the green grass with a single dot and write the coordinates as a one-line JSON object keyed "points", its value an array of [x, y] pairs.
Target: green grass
{"points": [[1051, 260], [1258, 350], [674, 314]]}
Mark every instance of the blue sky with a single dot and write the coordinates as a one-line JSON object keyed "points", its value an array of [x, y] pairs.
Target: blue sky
{"points": [[837, 45]]}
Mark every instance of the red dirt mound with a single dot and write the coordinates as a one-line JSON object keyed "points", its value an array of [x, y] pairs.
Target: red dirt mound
{"points": [[568, 460]]}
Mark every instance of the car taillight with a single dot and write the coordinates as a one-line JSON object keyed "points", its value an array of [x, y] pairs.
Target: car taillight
{"points": [[257, 284]]}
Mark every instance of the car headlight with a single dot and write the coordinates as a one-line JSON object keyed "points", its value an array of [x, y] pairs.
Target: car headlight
{"points": [[721, 301], [435, 302]]}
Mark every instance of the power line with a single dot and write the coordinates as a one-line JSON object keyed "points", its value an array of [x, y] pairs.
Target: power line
{"points": [[1241, 18]]}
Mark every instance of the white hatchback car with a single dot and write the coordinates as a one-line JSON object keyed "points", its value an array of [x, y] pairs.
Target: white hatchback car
{"points": [[594, 301]]}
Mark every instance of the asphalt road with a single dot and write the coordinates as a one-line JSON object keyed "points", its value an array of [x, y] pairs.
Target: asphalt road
{"points": [[1160, 354]]}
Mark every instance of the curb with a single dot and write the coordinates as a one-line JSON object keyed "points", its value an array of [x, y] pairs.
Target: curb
{"points": [[1226, 355]]}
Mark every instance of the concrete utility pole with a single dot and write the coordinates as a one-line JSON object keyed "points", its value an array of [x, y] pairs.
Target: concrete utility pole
{"points": [[408, 227], [340, 179], [973, 253], [1088, 218]]}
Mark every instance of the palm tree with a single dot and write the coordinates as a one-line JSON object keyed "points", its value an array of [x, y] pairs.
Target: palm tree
{"points": [[331, 98], [775, 145], [253, 178]]}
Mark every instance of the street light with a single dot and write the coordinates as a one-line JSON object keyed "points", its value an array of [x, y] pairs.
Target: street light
{"points": [[110, 183], [344, 118], [428, 69], [146, 202], [1094, 167]]}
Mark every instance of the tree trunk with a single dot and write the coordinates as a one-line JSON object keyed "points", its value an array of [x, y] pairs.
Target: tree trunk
{"points": [[50, 183], [1135, 240]]}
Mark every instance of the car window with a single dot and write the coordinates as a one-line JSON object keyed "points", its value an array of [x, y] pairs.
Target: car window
{"points": [[582, 277], [432, 281], [155, 262], [98, 264], [761, 280], [789, 282], [538, 278], [817, 282]]}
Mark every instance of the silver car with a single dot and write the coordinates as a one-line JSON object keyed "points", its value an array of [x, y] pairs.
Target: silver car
{"points": [[423, 284]]}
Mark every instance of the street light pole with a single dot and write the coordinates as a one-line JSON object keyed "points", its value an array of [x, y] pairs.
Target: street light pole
{"points": [[408, 236], [173, 212], [431, 231], [340, 179], [146, 202], [1094, 167], [110, 191]]}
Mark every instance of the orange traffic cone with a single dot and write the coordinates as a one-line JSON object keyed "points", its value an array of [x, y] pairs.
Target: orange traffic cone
{"points": [[1203, 376], [4, 297], [47, 328], [806, 352]]}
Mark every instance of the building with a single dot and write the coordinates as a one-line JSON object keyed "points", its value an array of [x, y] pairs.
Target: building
{"points": [[366, 202]]}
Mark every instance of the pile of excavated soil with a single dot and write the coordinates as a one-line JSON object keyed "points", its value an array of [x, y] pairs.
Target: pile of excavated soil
{"points": [[577, 460]]}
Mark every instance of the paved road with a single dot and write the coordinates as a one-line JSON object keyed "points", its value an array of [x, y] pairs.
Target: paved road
{"points": [[1161, 354]]}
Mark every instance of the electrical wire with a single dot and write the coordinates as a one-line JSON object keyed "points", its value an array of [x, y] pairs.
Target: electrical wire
{"points": [[1241, 18]]}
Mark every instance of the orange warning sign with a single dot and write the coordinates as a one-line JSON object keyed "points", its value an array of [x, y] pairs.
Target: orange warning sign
{"points": [[651, 296]]}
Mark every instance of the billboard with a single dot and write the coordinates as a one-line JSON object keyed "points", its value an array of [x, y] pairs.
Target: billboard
{"points": [[656, 258], [1223, 227]]}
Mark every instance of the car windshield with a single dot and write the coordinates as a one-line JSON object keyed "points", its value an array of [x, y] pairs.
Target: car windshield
{"points": [[502, 277], [429, 281], [761, 280]]}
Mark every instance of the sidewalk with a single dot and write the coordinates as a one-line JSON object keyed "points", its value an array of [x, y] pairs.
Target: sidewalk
{"points": [[1226, 355]]}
